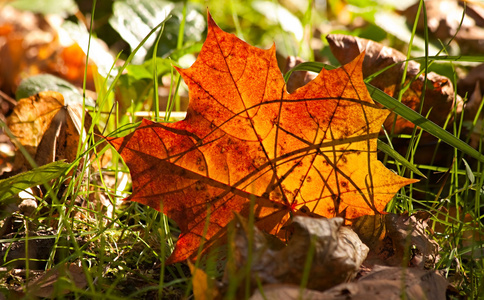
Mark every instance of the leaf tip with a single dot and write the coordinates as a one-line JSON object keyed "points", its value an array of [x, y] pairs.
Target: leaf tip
{"points": [[210, 21]]}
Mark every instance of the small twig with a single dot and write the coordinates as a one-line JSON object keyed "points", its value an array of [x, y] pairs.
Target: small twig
{"points": [[9, 99]]}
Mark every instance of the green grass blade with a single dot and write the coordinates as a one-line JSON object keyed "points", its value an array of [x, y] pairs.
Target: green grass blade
{"points": [[385, 148], [453, 58], [126, 63], [155, 77], [401, 110], [424, 123], [310, 66], [15, 184]]}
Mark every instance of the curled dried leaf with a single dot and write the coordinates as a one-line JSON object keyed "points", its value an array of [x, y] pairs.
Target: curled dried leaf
{"points": [[32, 117], [394, 239], [335, 252], [204, 287], [449, 18], [439, 94], [50, 285], [392, 283], [49, 129]]}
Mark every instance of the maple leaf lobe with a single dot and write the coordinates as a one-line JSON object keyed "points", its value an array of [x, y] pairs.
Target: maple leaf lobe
{"points": [[246, 139], [242, 77]]}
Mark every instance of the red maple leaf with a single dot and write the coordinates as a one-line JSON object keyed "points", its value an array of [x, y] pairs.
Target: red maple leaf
{"points": [[246, 139]]}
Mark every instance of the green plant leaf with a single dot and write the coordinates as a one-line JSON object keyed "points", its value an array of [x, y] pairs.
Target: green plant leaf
{"points": [[46, 6], [145, 70], [137, 83], [191, 48], [45, 82], [278, 14], [469, 173], [424, 123], [194, 27], [133, 20], [12, 186], [310, 66]]}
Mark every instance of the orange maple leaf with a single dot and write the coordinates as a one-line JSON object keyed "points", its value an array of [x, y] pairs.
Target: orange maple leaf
{"points": [[246, 139]]}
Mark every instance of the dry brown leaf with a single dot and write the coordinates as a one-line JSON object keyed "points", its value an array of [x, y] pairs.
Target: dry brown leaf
{"points": [[394, 239], [439, 96], [61, 140], [24, 39], [472, 87], [384, 283], [444, 19], [203, 286], [286, 292], [48, 129], [7, 152], [298, 78], [338, 254], [32, 117], [475, 10], [392, 283], [52, 283], [466, 86], [15, 253], [377, 57]]}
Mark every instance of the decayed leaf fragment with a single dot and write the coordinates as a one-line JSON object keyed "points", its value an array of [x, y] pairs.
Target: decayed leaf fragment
{"points": [[383, 283], [48, 129], [452, 19], [32, 117], [396, 238], [439, 94], [203, 286], [55, 282], [244, 137], [392, 283], [335, 251]]}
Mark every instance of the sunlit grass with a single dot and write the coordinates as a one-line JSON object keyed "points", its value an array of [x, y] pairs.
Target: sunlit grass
{"points": [[119, 244]]}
